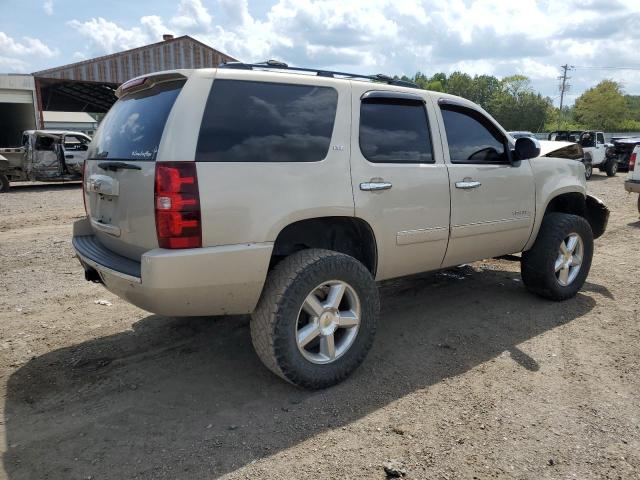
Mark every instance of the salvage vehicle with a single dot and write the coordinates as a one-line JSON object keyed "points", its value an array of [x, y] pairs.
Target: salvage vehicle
{"points": [[593, 144], [569, 150], [45, 156], [632, 183], [620, 151], [286, 193]]}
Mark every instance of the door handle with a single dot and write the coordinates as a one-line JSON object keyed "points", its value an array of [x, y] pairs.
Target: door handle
{"points": [[374, 186], [68, 156], [467, 184]]}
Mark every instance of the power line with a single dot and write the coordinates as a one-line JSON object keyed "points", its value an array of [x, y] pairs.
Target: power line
{"points": [[593, 67]]}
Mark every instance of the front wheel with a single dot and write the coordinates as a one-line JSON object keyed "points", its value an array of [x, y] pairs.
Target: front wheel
{"points": [[316, 318], [612, 167], [588, 170], [4, 183], [557, 265]]}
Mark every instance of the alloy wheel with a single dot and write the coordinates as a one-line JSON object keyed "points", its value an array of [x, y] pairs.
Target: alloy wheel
{"points": [[328, 322]]}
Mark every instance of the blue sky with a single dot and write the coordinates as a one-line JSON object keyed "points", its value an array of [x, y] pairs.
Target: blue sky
{"points": [[366, 36]]}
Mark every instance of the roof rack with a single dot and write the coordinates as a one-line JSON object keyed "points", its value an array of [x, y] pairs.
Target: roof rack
{"points": [[276, 65]]}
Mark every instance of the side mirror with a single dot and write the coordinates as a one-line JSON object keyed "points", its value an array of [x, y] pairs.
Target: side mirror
{"points": [[526, 148]]}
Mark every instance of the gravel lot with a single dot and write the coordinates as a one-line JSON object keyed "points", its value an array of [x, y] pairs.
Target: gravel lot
{"points": [[470, 376]]}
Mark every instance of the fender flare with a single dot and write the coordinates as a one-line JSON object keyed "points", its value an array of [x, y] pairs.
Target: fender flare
{"points": [[597, 214]]}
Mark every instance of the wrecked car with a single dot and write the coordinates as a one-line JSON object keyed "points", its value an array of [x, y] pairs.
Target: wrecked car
{"points": [[620, 151], [45, 156], [594, 146], [568, 150]]}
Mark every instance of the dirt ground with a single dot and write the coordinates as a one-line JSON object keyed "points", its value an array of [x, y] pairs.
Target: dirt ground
{"points": [[470, 376]]}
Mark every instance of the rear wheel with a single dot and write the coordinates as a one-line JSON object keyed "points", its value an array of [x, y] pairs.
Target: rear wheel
{"points": [[4, 183], [557, 265], [611, 167], [316, 318]]}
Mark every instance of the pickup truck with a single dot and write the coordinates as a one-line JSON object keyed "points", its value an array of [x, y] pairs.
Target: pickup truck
{"points": [[287, 193], [594, 146]]}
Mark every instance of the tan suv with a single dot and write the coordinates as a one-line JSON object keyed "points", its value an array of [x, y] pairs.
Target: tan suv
{"points": [[287, 193]]}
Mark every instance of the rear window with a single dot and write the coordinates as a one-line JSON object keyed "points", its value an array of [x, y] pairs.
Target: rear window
{"points": [[133, 127], [248, 121]]}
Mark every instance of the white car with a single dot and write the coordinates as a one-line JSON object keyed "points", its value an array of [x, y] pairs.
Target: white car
{"points": [[632, 184]]}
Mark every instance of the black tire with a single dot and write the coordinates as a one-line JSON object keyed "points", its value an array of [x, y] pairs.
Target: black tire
{"points": [[588, 170], [638, 203], [275, 320], [538, 264], [4, 184], [612, 167]]}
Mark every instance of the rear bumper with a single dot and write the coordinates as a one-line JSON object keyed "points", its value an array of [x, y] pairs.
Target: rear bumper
{"points": [[202, 281], [632, 186]]}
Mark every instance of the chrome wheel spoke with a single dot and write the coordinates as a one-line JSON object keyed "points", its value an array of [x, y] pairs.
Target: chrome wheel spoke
{"points": [[335, 296], [572, 242], [312, 305], [564, 276], [328, 347], [307, 333], [576, 261], [563, 248], [348, 319], [559, 263]]}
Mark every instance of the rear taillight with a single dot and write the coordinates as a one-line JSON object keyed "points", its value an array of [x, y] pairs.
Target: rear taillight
{"points": [[632, 162], [177, 205], [84, 186]]}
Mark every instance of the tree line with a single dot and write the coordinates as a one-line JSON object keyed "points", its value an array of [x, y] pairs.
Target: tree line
{"points": [[513, 102]]}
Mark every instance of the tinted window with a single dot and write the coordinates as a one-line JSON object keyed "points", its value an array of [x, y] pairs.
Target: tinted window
{"points": [[266, 122], [472, 139], [600, 138], [394, 132], [133, 127]]}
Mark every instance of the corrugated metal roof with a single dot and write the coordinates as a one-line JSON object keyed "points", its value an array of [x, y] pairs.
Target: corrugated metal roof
{"points": [[180, 52], [68, 117]]}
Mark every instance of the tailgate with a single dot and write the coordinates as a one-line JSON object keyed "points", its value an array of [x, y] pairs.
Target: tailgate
{"points": [[120, 169]]}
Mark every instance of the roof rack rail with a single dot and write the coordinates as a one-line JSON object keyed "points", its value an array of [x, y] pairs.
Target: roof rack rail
{"points": [[277, 65]]}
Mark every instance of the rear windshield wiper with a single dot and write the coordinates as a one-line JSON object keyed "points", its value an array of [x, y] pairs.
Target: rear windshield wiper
{"points": [[114, 166]]}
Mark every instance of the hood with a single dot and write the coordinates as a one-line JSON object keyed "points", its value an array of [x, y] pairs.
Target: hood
{"points": [[548, 146]]}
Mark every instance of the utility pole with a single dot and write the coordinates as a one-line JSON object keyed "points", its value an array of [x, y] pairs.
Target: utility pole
{"points": [[563, 88]]}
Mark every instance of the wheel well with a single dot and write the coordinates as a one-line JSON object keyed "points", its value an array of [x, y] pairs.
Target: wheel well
{"points": [[576, 204], [572, 203], [348, 235]]}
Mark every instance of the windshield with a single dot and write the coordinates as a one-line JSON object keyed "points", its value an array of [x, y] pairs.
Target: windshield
{"points": [[133, 127]]}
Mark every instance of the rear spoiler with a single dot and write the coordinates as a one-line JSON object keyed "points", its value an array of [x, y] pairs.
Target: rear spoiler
{"points": [[146, 82]]}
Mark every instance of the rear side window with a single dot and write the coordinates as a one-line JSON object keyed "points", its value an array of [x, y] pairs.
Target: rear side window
{"points": [[394, 132], [248, 121], [133, 127], [600, 138], [472, 138]]}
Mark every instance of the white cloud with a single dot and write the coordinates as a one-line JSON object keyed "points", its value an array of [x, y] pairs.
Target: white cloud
{"points": [[29, 46], [371, 36], [192, 14], [13, 65], [48, 7]]}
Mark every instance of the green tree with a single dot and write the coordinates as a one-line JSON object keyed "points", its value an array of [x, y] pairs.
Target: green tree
{"points": [[486, 87], [461, 84], [603, 107], [517, 107]]}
